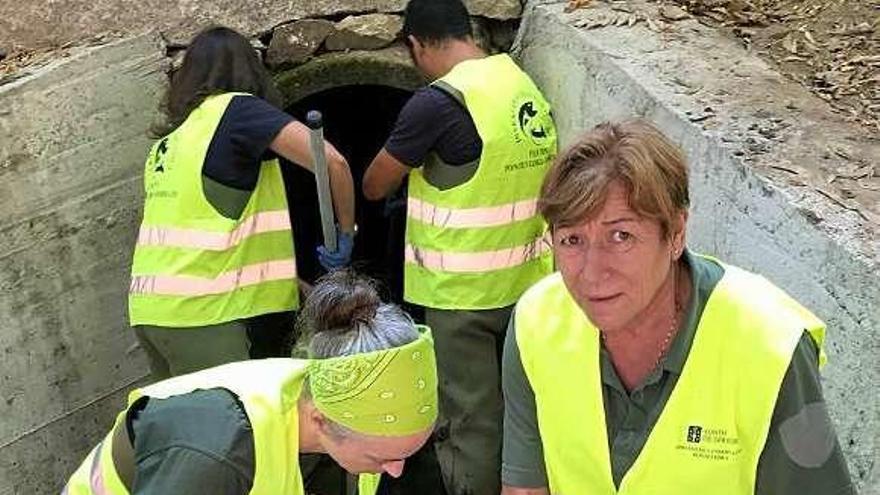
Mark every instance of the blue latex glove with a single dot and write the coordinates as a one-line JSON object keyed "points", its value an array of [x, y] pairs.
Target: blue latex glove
{"points": [[332, 260]]}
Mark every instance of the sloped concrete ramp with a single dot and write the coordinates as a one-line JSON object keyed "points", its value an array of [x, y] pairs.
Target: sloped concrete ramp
{"points": [[74, 138]]}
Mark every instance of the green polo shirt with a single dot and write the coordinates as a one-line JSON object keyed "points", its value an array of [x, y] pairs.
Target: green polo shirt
{"points": [[801, 456]]}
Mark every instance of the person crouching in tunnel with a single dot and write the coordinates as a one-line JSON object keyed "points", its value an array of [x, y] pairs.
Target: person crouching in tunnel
{"points": [[214, 260], [643, 367], [475, 144], [367, 397]]}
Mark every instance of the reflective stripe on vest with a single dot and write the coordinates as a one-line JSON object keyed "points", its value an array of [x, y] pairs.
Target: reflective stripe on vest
{"points": [[92, 482], [194, 267], [468, 218], [478, 262], [478, 245], [97, 474], [183, 285], [259, 223], [714, 426]]}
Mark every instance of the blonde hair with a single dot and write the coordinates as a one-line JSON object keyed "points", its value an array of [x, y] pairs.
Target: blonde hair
{"points": [[633, 153]]}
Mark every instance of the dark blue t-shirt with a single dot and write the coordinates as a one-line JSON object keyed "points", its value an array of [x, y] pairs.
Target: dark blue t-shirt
{"points": [[242, 140], [434, 121]]}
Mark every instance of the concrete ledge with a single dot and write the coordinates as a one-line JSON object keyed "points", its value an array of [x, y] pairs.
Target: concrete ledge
{"points": [[761, 151], [71, 186], [41, 462]]}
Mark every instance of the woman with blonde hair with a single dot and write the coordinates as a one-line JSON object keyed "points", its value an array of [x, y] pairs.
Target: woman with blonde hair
{"points": [[644, 368]]}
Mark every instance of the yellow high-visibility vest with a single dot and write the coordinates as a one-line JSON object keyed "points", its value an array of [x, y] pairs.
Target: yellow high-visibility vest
{"points": [[268, 389], [480, 244], [193, 266], [710, 434]]}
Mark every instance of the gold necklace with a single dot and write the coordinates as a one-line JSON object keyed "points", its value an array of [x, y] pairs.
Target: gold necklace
{"points": [[673, 326], [668, 339]]}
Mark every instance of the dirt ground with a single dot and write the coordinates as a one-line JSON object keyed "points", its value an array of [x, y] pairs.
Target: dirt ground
{"points": [[13, 59], [830, 46]]}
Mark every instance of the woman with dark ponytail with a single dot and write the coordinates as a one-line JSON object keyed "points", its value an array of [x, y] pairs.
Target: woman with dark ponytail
{"points": [[215, 249], [366, 395]]}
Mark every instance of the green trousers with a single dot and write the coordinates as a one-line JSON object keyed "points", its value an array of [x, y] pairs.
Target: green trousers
{"points": [[178, 351], [468, 345]]}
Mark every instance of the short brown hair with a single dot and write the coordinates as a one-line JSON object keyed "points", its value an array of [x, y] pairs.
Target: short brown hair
{"points": [[635, 153]]}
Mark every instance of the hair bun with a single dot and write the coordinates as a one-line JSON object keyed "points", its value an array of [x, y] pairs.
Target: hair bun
{"points": [[340, 302]]}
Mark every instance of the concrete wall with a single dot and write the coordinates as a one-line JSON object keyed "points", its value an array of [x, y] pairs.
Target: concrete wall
{"points": [[741, 125], [73, 138], [30, 24]]}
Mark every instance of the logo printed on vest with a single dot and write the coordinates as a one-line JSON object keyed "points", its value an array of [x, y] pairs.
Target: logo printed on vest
{"points": [[532, 128], [530, 125], [695, 433], [156, 186], [712, 444], [162, 149], [530, 122]]}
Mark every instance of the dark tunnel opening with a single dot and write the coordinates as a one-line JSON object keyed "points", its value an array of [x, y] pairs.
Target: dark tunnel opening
{"points": [[357, 120]]}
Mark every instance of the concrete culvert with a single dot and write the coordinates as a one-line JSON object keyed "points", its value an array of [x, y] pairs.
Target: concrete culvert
{"points": [[357, 120], [360, 94]]}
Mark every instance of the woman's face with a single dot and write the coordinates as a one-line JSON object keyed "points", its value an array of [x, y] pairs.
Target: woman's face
{"points": [[614, 263], [372, 454]]}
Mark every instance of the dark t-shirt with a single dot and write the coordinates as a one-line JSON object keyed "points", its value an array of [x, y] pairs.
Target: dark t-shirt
{"points": [[238, 147], [201, 442], [434, 121]]}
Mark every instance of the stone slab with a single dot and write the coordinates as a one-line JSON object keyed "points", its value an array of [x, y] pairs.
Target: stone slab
{"points": [[32, 24], [365, 32], [295, 43]]}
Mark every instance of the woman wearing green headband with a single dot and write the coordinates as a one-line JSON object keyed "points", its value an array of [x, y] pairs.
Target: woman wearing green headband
{"points": [[367, 397]]}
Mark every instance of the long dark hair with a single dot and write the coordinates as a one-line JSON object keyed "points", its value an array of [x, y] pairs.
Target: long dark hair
{"points": [[218, 60]]}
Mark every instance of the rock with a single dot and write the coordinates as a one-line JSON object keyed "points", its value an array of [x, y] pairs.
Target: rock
{"points": [[295, 43], [390, 67], [495, 9], [482, 36], [673, 13], [3, 53], [32, 25], [177, 60], [503, 34], [258, 45], [365, 32]]}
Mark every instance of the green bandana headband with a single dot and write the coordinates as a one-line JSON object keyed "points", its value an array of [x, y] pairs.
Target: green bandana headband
{"points": [[392, 392]]}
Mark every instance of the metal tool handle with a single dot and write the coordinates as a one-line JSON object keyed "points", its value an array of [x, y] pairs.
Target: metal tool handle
{"points": [[319, 162]]}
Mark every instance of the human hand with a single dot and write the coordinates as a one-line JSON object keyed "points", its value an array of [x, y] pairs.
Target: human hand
{"points": [[332, 260]]}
